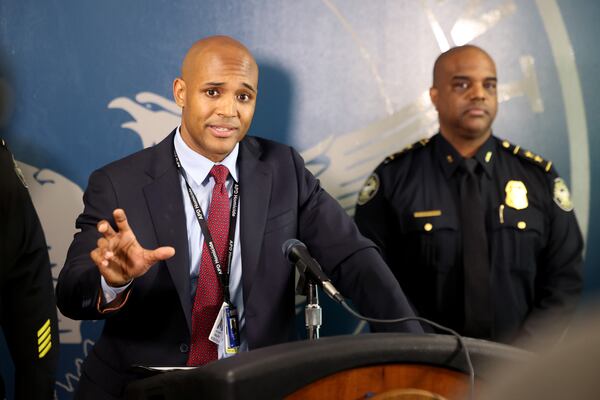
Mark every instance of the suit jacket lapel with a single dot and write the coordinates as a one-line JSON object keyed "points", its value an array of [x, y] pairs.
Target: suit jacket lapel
{"points": [[165, 202], [255, 192]]}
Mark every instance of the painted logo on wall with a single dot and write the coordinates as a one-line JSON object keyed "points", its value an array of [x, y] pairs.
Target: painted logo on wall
{"points": [[356, 90]]}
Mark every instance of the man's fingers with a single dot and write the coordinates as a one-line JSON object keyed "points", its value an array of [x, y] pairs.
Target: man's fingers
{"points": [[102, 243], [105, 229], [114, 276], [99, 257], [121, 220]]}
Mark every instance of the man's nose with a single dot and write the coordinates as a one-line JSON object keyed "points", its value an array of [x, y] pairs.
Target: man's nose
{"points": [[227, 106], [478, 92]]}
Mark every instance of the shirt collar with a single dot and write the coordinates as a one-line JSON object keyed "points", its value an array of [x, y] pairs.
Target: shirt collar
{"points": [[486, 155], [450, 159], [197, 167]]}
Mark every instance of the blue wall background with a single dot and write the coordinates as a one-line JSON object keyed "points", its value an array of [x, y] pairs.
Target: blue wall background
{"points": [[343, 81]]}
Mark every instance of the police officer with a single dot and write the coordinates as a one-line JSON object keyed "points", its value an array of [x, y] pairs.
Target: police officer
{"points": [[480, 233], [27, 304]]}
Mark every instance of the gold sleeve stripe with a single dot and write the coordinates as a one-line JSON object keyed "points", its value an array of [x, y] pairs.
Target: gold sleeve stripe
{"points": [[43, 345], [43, 351], [429, 213], [44, 336], [548, 166], [44, 327], [44, 339]]}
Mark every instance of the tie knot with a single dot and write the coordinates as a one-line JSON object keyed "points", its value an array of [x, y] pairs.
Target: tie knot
{"points": [[220, 173], [469, 165]]}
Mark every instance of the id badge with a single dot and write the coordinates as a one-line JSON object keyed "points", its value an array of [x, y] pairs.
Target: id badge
{"points": [[232, 331], [216, 333]]}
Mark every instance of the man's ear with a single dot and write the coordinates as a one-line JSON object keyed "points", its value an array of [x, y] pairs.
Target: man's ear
{"points": [[179, 91], [433, 95]]}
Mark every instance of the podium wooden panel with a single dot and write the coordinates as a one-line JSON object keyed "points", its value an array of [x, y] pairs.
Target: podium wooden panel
{"points": [[361, 383], [340, 367]]}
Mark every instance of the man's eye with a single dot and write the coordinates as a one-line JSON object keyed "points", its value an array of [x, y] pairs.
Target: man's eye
{"points": [[212, 92], [461, 85], [490, 85], [244, 97]]}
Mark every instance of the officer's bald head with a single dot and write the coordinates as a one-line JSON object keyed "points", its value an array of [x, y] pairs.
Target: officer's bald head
{"points": [[450, 56], [464, 93]]}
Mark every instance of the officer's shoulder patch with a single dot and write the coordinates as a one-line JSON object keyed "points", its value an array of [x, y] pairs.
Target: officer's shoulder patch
{"points": [[527, 155], [416, 145], [561, 195], [369, 189]]}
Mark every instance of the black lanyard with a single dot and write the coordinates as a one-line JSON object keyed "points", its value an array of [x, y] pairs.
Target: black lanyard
{"points": [[223, 276]]}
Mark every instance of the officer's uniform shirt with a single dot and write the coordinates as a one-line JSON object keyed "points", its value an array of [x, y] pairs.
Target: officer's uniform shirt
{"points": [[410, 208], [27, 305]]}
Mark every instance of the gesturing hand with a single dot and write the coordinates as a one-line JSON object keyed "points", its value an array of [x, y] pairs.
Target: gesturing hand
{"points": [[119, 256]]}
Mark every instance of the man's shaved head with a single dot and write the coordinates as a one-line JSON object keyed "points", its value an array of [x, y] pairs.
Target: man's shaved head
{"points": [[440, 62], [464, 93], [217, 94], [224, 45]]}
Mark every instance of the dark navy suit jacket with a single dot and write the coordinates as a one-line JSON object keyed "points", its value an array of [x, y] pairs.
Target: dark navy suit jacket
{"points": [[279, 199]]}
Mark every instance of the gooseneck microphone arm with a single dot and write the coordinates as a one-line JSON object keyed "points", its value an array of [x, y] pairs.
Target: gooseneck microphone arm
{"points": [[297, 253]]}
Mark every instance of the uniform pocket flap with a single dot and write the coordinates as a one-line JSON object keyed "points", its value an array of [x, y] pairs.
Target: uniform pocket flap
{"points": [[430, 221], [528, 219]]}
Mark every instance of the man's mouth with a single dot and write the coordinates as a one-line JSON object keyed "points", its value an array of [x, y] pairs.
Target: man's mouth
{"points": [[222, 131], [476, 112]]}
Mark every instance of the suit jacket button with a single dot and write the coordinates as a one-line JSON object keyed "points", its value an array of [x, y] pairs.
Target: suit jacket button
{"points": [[184, 348]]}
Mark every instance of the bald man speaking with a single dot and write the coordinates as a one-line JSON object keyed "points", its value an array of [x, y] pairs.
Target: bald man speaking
{"points": [[179, 248]]}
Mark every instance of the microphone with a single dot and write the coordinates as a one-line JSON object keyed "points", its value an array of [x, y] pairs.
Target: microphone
{"points": [[296, 251]]}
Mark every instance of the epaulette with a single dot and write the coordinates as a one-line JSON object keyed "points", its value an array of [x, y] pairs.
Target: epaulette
{"points": [[415, 145], [527, 155]]}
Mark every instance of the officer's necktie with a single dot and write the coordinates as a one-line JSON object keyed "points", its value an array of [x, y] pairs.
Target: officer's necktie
{"points": [[478, 311], [209, 293]]}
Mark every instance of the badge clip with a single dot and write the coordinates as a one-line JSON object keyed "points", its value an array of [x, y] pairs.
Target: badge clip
{"points": [[232, 337]]}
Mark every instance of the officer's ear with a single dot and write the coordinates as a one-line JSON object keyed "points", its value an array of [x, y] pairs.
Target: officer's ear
{"points": [[433, 95]]}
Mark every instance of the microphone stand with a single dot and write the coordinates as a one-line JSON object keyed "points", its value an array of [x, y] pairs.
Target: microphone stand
{"points": [[312, 311]]}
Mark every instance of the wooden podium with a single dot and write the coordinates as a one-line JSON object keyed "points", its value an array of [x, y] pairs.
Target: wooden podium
{"points": [[375, 366]]}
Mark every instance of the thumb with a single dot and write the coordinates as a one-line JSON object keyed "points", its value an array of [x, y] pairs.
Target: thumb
{"points": [[159, 254]]}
